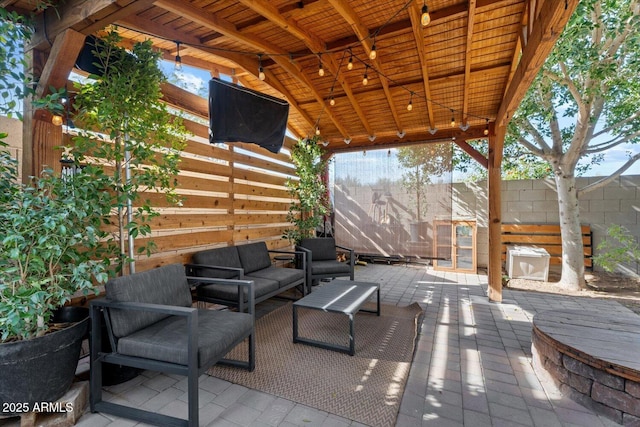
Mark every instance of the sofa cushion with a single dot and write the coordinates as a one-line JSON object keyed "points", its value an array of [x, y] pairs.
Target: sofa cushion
{"points": [[254, 256], [224, 257], [164, 285], [322, 248], [230, 293], [284, 276], [330, 267], [167, 339]]}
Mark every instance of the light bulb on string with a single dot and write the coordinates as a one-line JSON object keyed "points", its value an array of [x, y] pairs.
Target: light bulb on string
{"points": [[178, 64], [332, 101], [317, 130], [410, 104], [425, 18], [261, 75], [486, 128], [320, 68], [373, 54], [453, 119], [365, 78], [350, 64]]}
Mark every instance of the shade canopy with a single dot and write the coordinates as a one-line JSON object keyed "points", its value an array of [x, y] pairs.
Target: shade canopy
{"points": [[456, 77]]}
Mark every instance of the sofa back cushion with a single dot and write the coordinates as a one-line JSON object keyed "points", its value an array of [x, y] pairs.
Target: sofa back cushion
{"points": [[223, 257], [164, 285], [254, 256], [322, 248]]}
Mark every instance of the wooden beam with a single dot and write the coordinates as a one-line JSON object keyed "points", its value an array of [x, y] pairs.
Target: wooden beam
{"points": [[225, 27], [418, 35], [61, 61], [471, 15], [413, 136], [544, 34], [68, 14], [475, 154]]}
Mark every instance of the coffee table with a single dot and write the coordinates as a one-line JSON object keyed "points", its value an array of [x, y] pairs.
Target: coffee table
{"points": [[337, 296]]}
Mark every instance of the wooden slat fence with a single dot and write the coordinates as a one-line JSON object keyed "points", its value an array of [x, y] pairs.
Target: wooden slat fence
{"points": [[546, 236]]}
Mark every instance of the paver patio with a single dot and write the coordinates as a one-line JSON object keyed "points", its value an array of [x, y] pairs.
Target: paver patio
{"points": [[472, 365]]}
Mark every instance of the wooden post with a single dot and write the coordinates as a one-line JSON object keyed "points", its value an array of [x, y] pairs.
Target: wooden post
{"points": [[496, 142]]}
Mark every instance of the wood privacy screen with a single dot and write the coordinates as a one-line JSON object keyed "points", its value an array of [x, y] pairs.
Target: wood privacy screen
{"points": [[545, 236], [232, 194]]}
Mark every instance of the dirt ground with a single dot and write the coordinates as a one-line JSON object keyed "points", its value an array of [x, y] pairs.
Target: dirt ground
{"points": [[625, 290]]}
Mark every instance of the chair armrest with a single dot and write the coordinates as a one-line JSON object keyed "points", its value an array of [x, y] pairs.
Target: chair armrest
{"points": [[249, 284], [303, 253], [172, 310], [191, 267]]}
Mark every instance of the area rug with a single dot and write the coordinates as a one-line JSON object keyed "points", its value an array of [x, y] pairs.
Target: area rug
{"points": [[367, 387]]}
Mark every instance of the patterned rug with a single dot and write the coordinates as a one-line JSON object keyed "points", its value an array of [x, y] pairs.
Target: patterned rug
{"points": [[367, 387]]}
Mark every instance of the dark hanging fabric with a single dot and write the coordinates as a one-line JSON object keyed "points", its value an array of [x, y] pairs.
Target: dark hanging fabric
{"points": [[238, 114]]}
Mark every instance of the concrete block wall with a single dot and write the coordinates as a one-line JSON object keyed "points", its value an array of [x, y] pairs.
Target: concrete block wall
{"points": [[536, 201]]}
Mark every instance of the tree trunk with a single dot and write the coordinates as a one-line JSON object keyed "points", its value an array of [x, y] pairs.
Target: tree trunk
{"points": [[572, 249]]}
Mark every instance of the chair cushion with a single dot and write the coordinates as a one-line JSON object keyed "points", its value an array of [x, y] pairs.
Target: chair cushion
{"points": [[164, 285], [224, 257], [322, 248], [230, 293], [330, 267], [254, 256], [284, 276], [167, 339]]}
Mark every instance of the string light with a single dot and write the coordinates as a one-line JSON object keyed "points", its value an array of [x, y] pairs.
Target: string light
{"points": [[410, 105], [261, 75], [317, 130], [453, 119], [332, 101], [373, 54], [365, 79], [350, 64], [486, 128], [425, 18], [178, 64], [320, 68]]}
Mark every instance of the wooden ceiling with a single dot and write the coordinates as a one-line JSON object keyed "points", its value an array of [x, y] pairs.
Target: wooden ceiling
{"points": [[472, 62]]}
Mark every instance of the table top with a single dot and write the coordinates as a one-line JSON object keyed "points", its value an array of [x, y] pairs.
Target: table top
{"points": [[339, 296]]}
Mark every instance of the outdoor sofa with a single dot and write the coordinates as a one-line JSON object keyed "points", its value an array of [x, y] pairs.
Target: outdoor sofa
{"points": [[250, 261]]}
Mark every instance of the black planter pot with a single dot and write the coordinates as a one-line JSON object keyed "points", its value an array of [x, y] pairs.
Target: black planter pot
{"points": [[41, 369]]}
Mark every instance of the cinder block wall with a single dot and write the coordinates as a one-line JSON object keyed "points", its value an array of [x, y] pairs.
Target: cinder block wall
{"points": [[536, 201]]}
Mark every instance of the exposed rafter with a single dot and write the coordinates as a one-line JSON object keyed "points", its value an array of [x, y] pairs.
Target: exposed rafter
{"points": [[363, 34], [418, 35], [467, 61], [314, 43], [227, 28]]}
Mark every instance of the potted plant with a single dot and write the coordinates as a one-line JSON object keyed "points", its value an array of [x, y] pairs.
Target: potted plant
{"points": [[49, 235], [309, 191]]}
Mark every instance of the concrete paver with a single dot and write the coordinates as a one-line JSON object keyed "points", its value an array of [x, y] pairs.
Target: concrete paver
{"points": [[472, 365]]}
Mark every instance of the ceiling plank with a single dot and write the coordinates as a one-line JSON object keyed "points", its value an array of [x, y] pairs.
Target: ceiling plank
{"points": [[467, 63], [418, 35], [227, 28], [363, 34]]}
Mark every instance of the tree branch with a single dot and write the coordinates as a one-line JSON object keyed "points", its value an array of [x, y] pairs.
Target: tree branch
{"points": [[603, 146], [608, 129], [610, 178]]}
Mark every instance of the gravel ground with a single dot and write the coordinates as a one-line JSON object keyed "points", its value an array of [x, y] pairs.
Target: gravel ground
{"points": [[625, 290]]}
